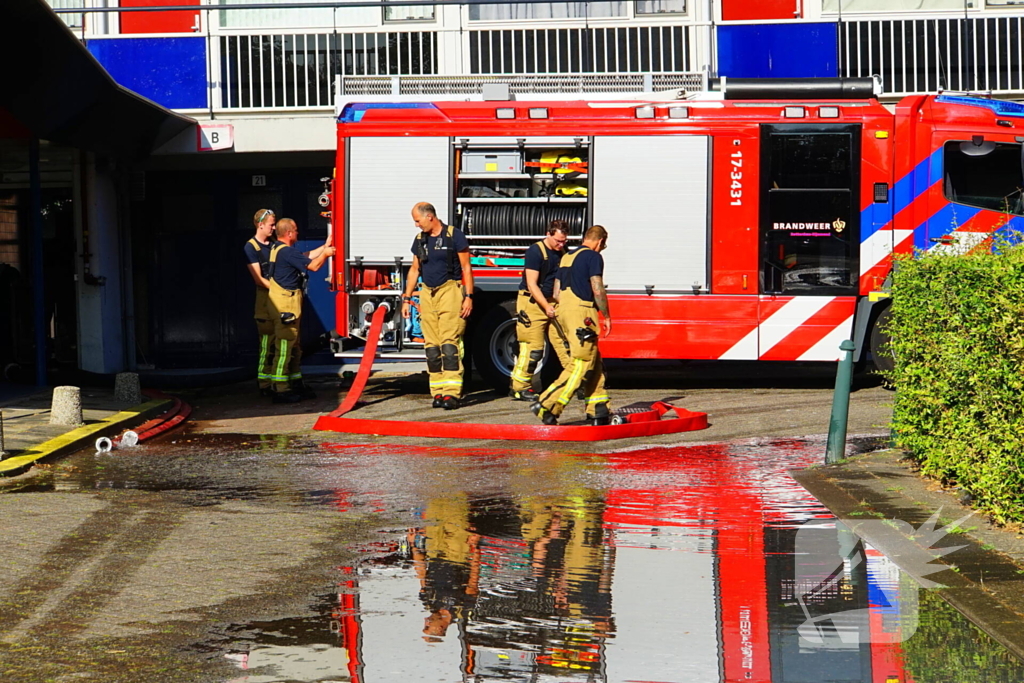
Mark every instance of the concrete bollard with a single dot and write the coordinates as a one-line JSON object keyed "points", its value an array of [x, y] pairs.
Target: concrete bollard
{"points": [[66, 408], [127, 388]]}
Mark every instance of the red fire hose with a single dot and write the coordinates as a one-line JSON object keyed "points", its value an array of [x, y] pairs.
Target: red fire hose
{"points": [[646, 423], [172, 417]]}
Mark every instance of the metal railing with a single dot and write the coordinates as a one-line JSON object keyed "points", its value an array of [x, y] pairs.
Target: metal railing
{"points": [[297, 70], [977, 54], [618, 49], [519, 84]]}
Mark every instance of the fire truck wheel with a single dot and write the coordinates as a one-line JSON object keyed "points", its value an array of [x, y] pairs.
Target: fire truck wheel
{"points": [[879, 343], [494, 345], [494, 349]]}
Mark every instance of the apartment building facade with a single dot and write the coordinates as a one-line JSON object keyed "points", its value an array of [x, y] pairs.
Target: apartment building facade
{"points": [[261, 78]]}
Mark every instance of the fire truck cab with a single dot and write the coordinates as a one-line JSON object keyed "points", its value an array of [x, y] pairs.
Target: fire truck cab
{"points": [[754, 221]]}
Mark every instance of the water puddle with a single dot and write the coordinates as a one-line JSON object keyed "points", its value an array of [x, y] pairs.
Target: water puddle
{"points": [[703, 563]]}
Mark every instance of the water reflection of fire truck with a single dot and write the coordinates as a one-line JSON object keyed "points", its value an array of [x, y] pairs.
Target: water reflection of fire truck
{"points": [[753, 222], [689, 575]]}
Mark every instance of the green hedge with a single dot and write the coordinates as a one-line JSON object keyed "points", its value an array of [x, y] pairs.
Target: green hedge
{"points": [[957, 334]]}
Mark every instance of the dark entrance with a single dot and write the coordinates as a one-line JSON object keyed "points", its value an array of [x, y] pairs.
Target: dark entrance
{"points": [[810, 214], [194, 296]]}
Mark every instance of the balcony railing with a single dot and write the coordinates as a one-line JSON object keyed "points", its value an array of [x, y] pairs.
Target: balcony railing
{"points": [[297, 70], [976, 54]]}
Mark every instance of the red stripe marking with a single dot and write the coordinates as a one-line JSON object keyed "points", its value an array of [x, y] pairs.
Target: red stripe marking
{"points": [[809, 333]]}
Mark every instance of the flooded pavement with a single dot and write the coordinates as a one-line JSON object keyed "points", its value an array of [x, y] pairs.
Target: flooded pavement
{"points": [[278, 560]]}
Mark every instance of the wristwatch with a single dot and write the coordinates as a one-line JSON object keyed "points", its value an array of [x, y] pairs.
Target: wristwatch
{"points": [[407, 299], [468, 295]]}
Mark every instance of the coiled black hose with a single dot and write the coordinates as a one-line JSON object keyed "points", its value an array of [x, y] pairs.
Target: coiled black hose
{"points": [[520, 219]]}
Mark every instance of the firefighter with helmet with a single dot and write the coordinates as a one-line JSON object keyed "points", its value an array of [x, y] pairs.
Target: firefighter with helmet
{"points": [[288, 268], [441, 258], [257, 258], [535, 308], [581, 294]]}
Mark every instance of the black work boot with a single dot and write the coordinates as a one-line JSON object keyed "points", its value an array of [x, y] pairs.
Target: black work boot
{"points": [[599, 421], [451, 403], [302, 390], [524, 395], [438, 401], [545, 415], [286, 397]]}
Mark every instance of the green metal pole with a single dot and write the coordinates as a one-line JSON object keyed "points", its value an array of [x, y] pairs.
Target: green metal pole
{"points": [[836, 448]]}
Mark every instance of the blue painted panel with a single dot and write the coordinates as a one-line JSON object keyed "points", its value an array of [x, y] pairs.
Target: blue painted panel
{"points": [[318, 316], [795, 50], [169, 71]]}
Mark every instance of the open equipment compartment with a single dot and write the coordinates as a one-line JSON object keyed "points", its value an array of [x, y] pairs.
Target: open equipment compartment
{"points": [[507, 191]]}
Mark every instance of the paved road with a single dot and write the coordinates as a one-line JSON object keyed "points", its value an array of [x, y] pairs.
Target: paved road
{"points": [[130, 566]]}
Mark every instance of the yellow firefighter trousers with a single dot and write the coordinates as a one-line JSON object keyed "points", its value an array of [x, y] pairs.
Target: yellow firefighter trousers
{"points": [[585, 368], [265, 329], [533, 327], [287, 366], [442, 336]]}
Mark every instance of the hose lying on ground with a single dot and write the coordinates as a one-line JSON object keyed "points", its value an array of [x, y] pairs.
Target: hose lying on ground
{"points": [[175, 415]]}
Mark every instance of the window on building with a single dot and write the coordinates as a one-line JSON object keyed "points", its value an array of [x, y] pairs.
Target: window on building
{"points": [[413, 13], [547, 10], [660, 6], [829, 6], [306, 17], [985, 175], [72, 19]]}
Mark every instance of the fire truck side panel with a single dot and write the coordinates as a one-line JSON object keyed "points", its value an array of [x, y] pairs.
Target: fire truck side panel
{"points": [[734, 247], [804, 327], [876, 203], [387, 176], [339, 234], [705, 326], [651, 192]]}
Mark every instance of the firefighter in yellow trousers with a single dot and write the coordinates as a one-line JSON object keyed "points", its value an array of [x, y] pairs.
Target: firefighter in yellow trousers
{"points": [[288, 268], [441, 257], [581, 295], [535, 308], [257, 257]]}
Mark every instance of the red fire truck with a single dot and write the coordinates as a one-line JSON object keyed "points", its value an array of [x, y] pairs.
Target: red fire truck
{"points": [[755, 221]]}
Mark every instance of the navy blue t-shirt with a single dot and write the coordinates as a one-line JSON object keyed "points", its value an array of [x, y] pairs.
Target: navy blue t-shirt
{"points": [[262, 257], [535, 261], [434, 269], [586, 265], [289, 267]]}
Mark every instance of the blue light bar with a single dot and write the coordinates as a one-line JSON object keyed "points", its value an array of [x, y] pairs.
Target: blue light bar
{"points": [[353, 113], [1000, 107]]}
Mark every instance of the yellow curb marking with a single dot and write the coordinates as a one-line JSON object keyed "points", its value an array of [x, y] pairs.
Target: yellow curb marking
{"points": [[46, 448]]}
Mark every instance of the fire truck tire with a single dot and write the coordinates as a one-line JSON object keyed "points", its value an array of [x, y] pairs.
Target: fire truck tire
{"points": [[881, 355], [494, 349]]}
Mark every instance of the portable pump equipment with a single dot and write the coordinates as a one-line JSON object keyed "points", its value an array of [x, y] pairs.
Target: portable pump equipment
{"points": [[755, 221]]}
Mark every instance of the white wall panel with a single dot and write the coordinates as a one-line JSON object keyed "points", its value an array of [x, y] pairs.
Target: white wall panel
{"points": [[386, 177], [651, 193]]}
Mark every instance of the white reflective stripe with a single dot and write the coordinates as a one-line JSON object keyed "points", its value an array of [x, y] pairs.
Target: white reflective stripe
{"points": [[792, 315], [874, 249], [776, 327], [828, 347], [744, 349], [598, 399]]}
